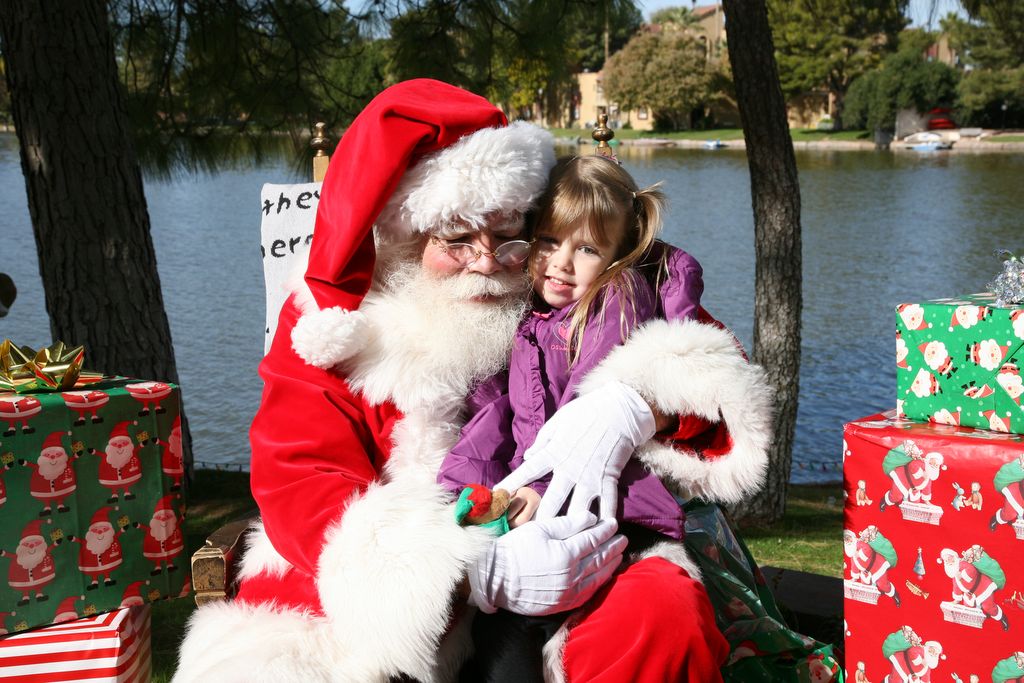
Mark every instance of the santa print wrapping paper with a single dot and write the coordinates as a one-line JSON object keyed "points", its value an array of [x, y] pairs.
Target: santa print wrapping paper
{"points": [[957, 362], [110, 648], [90, 501], [934, 544]]}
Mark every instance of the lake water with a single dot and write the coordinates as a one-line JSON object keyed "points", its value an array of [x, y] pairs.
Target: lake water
{"points": [[879, 228]]}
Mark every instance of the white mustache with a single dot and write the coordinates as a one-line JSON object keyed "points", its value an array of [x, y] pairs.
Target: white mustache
{"points": [[470, 285]]}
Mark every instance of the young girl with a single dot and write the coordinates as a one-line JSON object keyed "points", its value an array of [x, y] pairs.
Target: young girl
{"points": [[594, 228]]}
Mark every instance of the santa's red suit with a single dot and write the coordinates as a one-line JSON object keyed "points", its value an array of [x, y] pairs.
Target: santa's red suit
{"points": [[52, 490], [910, 482], [171, 461], [870, 567], [120, 476], [157, 551], [100, 564], [974, 589], [353, 571]]}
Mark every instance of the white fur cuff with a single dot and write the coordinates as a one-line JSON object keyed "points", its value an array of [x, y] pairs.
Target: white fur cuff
{"points": [[326, 337], [391, 566], [691, 368]]}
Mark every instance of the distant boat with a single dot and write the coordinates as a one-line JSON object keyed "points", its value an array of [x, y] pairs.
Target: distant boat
{"points": [[926, 142], [713, 144]]}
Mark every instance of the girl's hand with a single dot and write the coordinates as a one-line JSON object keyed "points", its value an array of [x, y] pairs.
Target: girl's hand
{"points": [[522, 507]]}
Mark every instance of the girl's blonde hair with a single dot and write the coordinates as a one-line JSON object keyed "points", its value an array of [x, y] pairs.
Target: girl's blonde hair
{"points": [[600, 191]]}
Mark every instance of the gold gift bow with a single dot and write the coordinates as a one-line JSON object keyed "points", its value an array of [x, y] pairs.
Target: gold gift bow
{"points": [[54, 368]]}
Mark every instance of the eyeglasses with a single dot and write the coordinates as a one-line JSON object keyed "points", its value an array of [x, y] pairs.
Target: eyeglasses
{"points": [[508, 254]]}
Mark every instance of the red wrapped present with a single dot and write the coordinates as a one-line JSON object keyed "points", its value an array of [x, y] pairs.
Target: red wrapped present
{"points": [[933, 534], [109, 648]]}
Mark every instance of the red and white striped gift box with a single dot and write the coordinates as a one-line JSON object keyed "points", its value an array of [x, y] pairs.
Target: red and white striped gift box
{"points": [[109, 648]]}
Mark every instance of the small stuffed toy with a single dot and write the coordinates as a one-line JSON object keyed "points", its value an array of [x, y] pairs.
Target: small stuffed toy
{"points": [[480, 506]]}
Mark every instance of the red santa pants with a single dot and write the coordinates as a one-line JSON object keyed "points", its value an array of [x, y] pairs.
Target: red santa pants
{"points": [[652, 622]]}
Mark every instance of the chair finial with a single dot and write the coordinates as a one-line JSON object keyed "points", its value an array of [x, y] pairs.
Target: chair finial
{"points": [[602, 134], [320, 142]]}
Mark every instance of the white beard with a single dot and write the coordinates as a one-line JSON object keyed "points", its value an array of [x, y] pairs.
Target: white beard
{"points": [[118, 456], [161, 531], [30, 559], [429, 342], [51, 469], [97, 545]]}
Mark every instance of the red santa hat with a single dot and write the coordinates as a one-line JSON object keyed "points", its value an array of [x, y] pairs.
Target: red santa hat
{"points": [[120, 429], [66, 609], [421, 155], [133, 594], [101, 515], [164, 504], [54, 440], [33, 530]]}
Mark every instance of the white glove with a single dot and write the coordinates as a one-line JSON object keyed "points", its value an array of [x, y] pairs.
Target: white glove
{"points": [[546, 567], [585, 445]]}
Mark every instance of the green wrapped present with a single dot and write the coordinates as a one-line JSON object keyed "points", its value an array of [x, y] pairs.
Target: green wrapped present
{"points": [[89, 500], [958, 362]]}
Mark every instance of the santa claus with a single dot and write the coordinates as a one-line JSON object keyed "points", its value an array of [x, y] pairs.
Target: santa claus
{"points": [[937, 358], [968, 316], [987, 353], [925, 384], [912, 316], [53, 477], [976, 579], [1017, 321], [18, 410], [164, 540], [1009, 481], [3, 621], [171, 460], [120, 466], [100, 553], [356, 567], [32, 567], [911, 661], [1009, 379], [871, 557], [6, 465], [912, 473]]}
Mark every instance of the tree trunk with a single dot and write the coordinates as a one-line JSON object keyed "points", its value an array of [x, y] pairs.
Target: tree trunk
{"points": [[775, 192], [84, 189]]}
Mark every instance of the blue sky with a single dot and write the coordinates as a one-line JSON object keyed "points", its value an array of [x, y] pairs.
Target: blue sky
{"points": [[918, 8]]}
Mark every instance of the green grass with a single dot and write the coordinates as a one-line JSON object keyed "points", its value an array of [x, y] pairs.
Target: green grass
{"points": [[809, 538], [1005, 138], [799, 134]]}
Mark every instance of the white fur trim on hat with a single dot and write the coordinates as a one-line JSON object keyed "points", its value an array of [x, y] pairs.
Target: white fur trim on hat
{"points": [[326, 337], [691, 368], [492, 170]]}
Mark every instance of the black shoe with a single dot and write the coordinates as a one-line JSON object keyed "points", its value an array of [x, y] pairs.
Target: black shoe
{"points": [[1005, 623], [79, 422], [993, 523], [110, 582], [176, 487], [156, 571], [171, 568], [45, 512], [11, 432], [896, 598], [129, 495], [144, 412], [42, 597], [882, 504], [28, 430], [23, 602], [93, 586], [97, 420], [62, 508], [161, 411], [112, 499]]}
